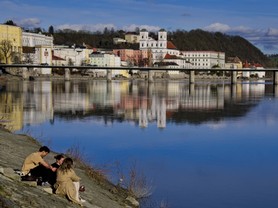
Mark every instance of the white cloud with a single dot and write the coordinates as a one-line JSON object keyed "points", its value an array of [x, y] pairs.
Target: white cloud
{"points": [[29, 22], [92, 28], [272, 32], [218, 27], [100, 27], [147, 27], [224, 28], [242, 29]]}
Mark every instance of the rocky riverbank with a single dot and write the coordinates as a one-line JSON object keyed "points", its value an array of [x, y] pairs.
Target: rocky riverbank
{"points": [[15, 193]]}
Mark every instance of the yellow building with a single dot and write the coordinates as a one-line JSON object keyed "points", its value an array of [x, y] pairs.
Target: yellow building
{"points": [[132, 37], [14, 35], [233, 63]]}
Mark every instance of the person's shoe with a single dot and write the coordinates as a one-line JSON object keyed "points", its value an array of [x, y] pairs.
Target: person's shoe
{"points": [[39, 181], [82, 200], [82, 188], [45, 184]]}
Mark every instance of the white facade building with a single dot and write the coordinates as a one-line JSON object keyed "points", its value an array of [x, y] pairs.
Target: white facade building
{"points": [[75, 56], [204, 59], [41, 46], [36, 39], [103, 60], [158, 48]]}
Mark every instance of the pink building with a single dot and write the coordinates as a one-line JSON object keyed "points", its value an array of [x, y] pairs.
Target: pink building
{"points": [[134, 57]]}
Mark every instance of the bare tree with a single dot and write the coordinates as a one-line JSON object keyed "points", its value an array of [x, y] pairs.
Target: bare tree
{"points": [[28, 59], [70, 62], [16, 57], [6, 48]]}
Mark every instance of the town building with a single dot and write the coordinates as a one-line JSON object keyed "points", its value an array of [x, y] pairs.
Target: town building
{"points": [[37, 49], [158, 48], [75, 56], [132, 37], [233, 63], [36, 39], [13, 35], [130, 57], [106, 60], [255, 74], [204, 59], [118, 40]]}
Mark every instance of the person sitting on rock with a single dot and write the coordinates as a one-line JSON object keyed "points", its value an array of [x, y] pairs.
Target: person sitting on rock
{"points": [[33, 163], [68, 182], [52, 174]]}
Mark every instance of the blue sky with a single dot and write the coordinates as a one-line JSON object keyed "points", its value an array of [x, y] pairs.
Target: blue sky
{"points": [[255, 20]]}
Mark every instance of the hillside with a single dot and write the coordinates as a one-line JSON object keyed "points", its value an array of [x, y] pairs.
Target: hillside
{"points": [[183, 40], [231, 45]]}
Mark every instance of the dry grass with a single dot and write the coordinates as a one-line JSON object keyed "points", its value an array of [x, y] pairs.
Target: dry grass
{"points": [[77, 154], [135, 181]]}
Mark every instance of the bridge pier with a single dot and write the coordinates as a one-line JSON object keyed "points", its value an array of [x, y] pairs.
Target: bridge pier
{"points": [[150, 76], [275, 90], [275, 77], [233, 77], [233, 91], [25, 73], [109, 75], [192, 77], [67, 74], [192, 89]]}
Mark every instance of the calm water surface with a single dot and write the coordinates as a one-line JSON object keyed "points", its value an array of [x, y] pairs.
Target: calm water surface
{"points": [[202, 145]]}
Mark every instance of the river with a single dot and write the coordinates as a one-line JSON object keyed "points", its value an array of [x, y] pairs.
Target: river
{"points": [[200, 145]]}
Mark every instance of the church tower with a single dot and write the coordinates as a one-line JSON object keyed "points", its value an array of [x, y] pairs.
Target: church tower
{"points": [[162, 39], [144, 36]]}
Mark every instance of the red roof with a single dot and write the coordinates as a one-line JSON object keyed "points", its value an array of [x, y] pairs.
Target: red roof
{"points": [[168, 56], [249, 65], [170, 45], [56, 58]]}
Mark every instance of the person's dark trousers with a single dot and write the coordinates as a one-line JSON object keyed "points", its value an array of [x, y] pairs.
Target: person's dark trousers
{"points": [[40, 171]]}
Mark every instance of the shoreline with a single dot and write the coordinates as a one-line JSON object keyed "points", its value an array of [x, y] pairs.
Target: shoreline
{"points": [[198, 78], [15, 193]]}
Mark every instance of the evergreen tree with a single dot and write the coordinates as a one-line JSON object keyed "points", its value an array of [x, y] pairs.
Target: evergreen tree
{"points": [[51, 30], [9, 22]]}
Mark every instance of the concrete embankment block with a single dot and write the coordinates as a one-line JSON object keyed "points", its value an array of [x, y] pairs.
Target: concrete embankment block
{"points": [[9, 172], [30, 183]]}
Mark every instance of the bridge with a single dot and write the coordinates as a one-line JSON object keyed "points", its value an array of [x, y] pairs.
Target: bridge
{"points": [[150, 70]]}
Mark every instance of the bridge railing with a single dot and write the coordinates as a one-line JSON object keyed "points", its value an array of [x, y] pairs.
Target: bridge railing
{"points": [[150, 70]]}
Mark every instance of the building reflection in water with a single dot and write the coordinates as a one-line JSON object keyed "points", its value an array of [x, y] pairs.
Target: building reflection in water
{"points": [[28, 103]]}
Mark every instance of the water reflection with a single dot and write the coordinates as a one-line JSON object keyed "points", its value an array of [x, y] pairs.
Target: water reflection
{"points": [[26, 103], [218, 146]]}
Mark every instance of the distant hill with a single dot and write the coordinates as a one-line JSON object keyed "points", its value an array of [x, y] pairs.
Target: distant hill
{"points": [[183, 40], [231, 45]]}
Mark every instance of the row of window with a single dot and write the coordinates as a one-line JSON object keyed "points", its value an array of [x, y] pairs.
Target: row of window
{"points": [[196, 55], [152, 45], [36, 42], [203, 55]]}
